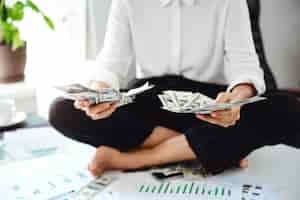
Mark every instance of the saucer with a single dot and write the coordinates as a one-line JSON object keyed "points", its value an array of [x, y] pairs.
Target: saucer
{"points": [[17, 119]]}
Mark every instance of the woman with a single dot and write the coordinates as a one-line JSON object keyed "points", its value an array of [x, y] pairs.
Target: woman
{"points": [[190, 45]]}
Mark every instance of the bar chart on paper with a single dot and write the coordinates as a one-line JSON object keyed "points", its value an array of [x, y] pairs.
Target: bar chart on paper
{"points": [[175, 190], [191, 188], [180, 189]]}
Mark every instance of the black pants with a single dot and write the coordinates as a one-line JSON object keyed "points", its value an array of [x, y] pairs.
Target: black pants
{"points": [[264, 123]]}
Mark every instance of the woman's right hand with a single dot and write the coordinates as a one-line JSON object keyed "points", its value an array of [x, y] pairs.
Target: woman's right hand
{"points": [[99, 111]]}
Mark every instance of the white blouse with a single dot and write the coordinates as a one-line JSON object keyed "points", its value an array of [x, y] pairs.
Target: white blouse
{"points": [[203, 40]]}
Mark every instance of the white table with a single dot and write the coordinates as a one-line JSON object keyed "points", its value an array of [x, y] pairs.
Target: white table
{"points": [[277, 167], [274, 167]]}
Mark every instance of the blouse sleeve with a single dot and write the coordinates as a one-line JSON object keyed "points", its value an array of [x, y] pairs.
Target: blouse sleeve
{"points": [[116, 56], [241, 60]]}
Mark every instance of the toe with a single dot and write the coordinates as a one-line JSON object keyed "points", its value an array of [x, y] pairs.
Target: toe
{"points": [[95, 170], [95, 166], [92, 169], [244, 164]]}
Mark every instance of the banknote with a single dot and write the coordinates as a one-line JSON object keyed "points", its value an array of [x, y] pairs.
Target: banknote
{"points": [[192, 170], [80, 92], [93, 188], [223, 106], [198, 103]]}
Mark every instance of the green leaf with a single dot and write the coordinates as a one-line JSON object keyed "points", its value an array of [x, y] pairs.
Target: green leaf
{"points": [[49, 22], [33, 6], [8, 30], [17, 42], [16, 12], [11, 35], [3, 12], [1, 35]]}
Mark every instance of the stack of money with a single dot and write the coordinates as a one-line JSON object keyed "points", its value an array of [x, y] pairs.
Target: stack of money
{"points": [[189, 102], [191, 170], [80, 92]]}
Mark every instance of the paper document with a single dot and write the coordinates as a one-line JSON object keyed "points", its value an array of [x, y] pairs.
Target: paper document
{"points": [[42, 179], [136, 186], [24, 144], [189, 190], [64, 176]]}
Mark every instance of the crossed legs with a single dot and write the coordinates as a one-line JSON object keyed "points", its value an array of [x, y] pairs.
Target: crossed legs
{"points": [[163, 145], [111, 143], [158, 149], [171, 150], [116, 148]]}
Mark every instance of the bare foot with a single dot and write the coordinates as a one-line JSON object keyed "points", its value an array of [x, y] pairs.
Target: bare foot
{"points": [[103, 160], [107, 158], [244, 164]]}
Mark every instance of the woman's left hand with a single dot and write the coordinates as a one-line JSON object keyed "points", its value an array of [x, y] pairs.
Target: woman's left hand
{"points": [[227, 118], [224, 118]]}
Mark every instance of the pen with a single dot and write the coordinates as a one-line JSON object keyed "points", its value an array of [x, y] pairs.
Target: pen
{"points": [[57, 197]]}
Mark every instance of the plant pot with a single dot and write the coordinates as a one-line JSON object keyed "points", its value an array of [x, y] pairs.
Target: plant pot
{"points": [[12, 64]]}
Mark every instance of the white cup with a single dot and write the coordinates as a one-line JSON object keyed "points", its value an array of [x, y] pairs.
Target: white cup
{"points": [[7, 111]]}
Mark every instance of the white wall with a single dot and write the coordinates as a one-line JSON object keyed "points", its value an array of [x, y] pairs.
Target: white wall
{"points": [[280, 23], [52, 56], [98, 15], [281, 31], [98, 12]]}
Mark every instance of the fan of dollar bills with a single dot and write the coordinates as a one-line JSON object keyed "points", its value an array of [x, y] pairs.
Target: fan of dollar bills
{"points": [[174, 101], [80, 92], [189, 102]]}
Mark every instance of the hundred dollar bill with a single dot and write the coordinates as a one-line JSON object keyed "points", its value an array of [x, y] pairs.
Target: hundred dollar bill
{"points": [[93, 188], [80, 92], [192, 170]]}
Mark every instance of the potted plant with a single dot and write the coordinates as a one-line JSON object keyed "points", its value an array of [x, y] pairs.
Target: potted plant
{"points": [[12, 46]]}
